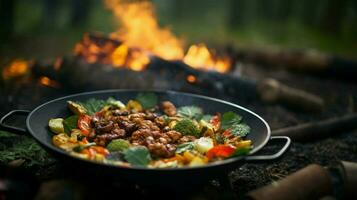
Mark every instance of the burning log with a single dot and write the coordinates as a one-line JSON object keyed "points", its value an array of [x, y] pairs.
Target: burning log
{"points": [[310, 62], [312, 182], [322, 129], [77, 74]]}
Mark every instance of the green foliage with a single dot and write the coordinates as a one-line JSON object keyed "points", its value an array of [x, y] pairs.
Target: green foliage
{"points": [[14, 147], [70, 123], [137, 156], [147, 100], [229, 119], [232, 121], [93, 105], [187, 127], [192, 112], [185, 147]]}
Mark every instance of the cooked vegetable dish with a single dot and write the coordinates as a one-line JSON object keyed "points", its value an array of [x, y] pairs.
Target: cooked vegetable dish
{"points": [[147, 133]]}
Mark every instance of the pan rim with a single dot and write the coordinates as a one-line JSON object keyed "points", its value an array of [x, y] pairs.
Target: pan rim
{"points": [[210, 165]]}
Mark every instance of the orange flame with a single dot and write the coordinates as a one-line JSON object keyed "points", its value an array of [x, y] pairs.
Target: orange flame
{"points": [[139, 37], [191, 78], [16, 68], [199, 56], [44, 80], [139, 28]]}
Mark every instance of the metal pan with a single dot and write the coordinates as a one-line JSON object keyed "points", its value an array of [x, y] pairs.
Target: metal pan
{"points": [[37, 120]]}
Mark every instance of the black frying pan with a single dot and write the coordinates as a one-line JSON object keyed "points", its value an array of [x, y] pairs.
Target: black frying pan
{"points": [[37, 120]]}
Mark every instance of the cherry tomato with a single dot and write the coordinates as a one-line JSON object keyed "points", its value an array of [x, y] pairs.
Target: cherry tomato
{"points": [[227, 133], [220, 151], [216, 121], [84, 122]]}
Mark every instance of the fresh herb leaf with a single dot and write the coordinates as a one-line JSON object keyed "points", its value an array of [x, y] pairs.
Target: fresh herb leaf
{"points": [[137, 156], [147, 100], [93, 105], [192, 112], [229, 119], [185, 147], [240, 130], [70, 123]]}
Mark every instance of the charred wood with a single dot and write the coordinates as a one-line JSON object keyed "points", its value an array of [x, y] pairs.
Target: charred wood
{"points": [[76, 74]]}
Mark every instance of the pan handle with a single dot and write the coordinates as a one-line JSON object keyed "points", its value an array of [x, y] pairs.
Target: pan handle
{"points": [[276, 155], [13, 128]]}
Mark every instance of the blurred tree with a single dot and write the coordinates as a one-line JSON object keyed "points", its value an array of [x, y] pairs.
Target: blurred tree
{"points": [[6, 18], [333, 15], [237, 13]]}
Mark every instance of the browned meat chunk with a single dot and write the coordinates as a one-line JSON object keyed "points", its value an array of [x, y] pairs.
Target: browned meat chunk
{"points": [[168, 108]]}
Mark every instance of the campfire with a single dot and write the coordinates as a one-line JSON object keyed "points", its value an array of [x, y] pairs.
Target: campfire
{"points": [[140, 37], [306, 95]]}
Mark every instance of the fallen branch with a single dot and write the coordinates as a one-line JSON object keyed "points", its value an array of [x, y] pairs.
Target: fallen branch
{"points": [[311, 182], [316, 130]]}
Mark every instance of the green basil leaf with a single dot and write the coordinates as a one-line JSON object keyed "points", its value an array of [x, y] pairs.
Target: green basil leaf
{"points": [[240, 130], [70, 123], [185, 147], [147, 100], [190, 112], [137, 156], [229, 119], [93, 105]]}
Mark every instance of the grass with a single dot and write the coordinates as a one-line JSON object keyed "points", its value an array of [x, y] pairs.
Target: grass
{"points": [[14, 147]]}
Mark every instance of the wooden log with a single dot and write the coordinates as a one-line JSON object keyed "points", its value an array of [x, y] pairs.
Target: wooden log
{"points": [[310, 183], [271, 91], [173, 75], [348, 171], [307, 61], [321, 129]]}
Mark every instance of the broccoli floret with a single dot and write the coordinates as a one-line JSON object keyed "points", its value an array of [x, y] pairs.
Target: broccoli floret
{"points": [[118, 145], [187, 127]]}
